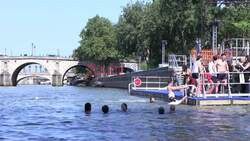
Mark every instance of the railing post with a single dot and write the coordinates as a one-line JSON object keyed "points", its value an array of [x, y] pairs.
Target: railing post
{"points": [[236, 47], [198, 85], [129, 88], [159, 78], [203, 85], [229, 87]]}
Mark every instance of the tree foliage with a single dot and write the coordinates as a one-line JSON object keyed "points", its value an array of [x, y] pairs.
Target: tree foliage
{"points": [[143, 25], [98, 40]]}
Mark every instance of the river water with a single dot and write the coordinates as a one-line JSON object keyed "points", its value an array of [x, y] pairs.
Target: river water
{"points": [[47, 113]]}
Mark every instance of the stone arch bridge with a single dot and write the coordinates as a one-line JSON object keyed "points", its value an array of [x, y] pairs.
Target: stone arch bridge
{"points": [[57, 68]]}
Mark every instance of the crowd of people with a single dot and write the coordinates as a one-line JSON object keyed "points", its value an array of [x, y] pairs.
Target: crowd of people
{"points": [[214, 77]]}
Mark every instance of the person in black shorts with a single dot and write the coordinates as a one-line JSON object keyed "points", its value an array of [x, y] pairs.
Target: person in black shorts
{"points": [[222, 69], [222, 76]]}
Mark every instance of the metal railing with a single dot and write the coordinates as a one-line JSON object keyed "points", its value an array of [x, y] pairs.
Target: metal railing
{"points": [[177, 60], [238, 46], [204, 86], [149, 83]]}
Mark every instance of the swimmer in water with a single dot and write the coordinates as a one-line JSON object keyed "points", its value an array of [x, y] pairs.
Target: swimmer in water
{"points": [[171, 89], [171, 95], [151, 99]]}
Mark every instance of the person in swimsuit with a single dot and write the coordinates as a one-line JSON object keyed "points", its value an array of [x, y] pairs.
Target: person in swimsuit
{"points": [[171, 89], [222, 67], [222, 70]]}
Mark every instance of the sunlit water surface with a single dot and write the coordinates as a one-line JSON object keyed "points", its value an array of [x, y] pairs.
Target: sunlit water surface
{"points": [[56, 113]]}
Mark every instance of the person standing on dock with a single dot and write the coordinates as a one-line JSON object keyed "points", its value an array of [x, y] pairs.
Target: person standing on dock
{"points": [[239, 77], [222, 69], [212, 69], [229, 59], [189, 80], [246, 70], [197, 68]]}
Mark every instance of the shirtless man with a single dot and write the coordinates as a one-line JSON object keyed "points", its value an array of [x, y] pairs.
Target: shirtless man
{"points": [[222, 69]]}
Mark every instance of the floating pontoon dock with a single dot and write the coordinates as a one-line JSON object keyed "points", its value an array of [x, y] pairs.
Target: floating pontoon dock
{"points": [[158, 89]]}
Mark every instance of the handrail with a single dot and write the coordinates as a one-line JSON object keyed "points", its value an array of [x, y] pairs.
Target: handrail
{"points": [[203, 84], [200, 89], [149, 83]]}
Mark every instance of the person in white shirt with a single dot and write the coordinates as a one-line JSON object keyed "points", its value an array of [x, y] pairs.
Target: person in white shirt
{"points": [[197, 68], [212, 69]]}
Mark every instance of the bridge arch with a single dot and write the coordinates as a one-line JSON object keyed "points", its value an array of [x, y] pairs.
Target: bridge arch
{"points": [[90, 71], [20, 79], [17, 70], [126, 70]]}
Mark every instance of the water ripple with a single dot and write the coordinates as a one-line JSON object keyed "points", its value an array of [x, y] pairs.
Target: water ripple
{"points": [[47, 113]]}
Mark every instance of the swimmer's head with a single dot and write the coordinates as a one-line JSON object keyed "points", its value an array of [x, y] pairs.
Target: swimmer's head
{"points": [[124, 107], [161, 111], [87, 108], [105, 109], [172, 108]]}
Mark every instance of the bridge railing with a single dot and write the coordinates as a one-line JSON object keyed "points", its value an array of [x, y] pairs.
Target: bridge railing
{"points": [[35, 57]]}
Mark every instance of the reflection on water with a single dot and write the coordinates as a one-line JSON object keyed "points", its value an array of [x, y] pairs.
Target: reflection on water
{"points": [[56, 113]]}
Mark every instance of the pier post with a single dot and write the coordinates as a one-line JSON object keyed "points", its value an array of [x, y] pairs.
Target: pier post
{"points": [[5, 79], [57, 79]]}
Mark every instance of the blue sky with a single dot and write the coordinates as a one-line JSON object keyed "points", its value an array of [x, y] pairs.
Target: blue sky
{"points": [[49, 24]]}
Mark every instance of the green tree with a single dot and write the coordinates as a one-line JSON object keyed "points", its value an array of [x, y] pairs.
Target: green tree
{"points": [[143, 25], [128, 30], [98, 41]]}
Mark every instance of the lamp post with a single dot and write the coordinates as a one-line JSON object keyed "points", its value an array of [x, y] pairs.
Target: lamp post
{"points": [[58, 52], [33, 47]]}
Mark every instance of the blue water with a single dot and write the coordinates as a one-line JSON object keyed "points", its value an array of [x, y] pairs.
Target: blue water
{"points": [[47, 113]]}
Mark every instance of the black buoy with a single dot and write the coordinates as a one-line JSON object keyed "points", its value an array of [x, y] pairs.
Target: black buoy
{"points": [[105, 109], [161, 111], [87, 108], [172, 108], [124, 107]]}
